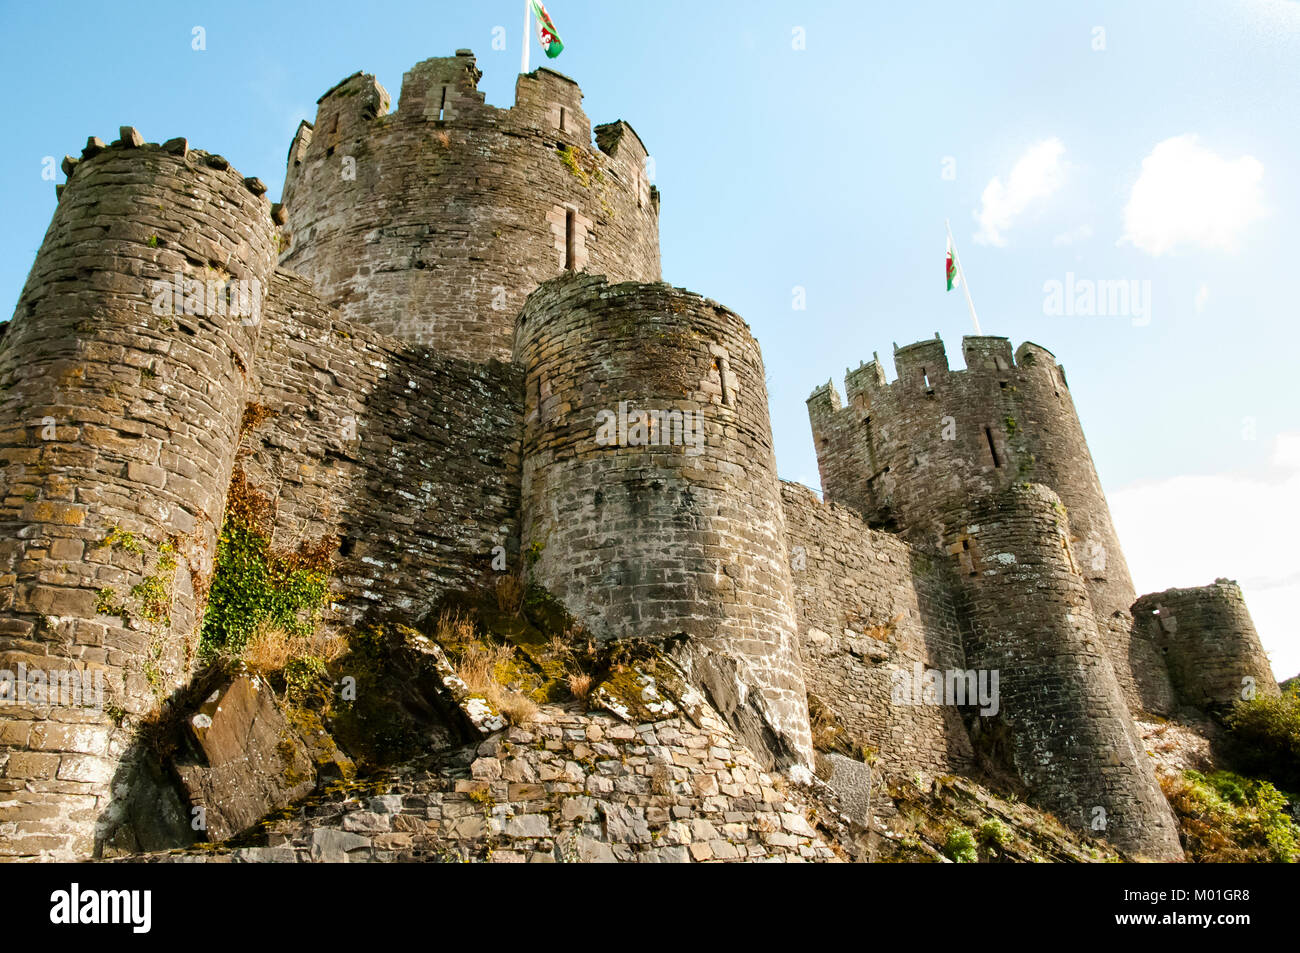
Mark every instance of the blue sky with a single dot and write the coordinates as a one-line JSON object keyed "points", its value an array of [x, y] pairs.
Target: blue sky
{"points": [[823, 168]]}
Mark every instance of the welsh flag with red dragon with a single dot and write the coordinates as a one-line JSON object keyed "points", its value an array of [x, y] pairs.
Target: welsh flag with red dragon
{"points": [[546, 31]]}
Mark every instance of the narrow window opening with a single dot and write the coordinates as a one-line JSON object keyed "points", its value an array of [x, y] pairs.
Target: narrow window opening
{"points": [[570, 240], [347, 546], [1002, 384], [442, 106], [563, 126], [724, 369], [993, 450], [925, 378]]}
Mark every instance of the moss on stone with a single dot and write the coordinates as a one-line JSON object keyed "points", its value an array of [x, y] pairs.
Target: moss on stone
{"points": [[569, 159]]}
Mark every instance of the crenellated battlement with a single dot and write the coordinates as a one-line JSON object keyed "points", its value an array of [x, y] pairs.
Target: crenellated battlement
{"points": [[922, 367], [906, 452], [462, 372], [131, 142], [433, 223]]}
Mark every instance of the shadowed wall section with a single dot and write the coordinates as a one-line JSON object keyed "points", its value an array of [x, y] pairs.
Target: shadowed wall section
{"points": [[408, 459], [871, 607]]}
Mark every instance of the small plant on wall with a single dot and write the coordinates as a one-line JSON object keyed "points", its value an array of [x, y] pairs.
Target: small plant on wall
{"points": [[256, 587]]}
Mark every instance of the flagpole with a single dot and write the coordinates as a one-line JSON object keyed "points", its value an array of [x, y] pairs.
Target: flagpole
{"points": [[961, 275], [528, 28]]}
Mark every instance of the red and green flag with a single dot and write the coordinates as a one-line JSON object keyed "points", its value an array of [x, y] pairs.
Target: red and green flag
{"points": [[546, 32], [951, 268]]}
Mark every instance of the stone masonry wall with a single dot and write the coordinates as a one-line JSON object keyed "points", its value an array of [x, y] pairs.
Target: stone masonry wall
{"points": [[434, 223], [570, 787], [677, 536], [871, 606], [409, 459], [1209, 642], [1062, 719], [119, 414], [903, 454]]}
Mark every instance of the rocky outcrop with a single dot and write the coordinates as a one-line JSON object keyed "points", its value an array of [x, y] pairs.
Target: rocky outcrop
{"points": [[251, 759]]}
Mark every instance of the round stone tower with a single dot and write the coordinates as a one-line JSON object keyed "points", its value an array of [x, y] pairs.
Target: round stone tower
{"points": [[1060, 714], [650, 494], [122, 376], [1210, 645], [434, 223], [906, 453]]}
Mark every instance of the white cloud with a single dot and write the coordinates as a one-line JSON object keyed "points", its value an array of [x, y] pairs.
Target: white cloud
{"points": [[1036, 175], [1190, 196], [1080, 234], [1189, 530], [1286, 451], [1202, 298]]}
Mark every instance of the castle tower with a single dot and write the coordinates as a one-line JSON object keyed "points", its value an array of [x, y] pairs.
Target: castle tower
{"points": [[1072, 740], [434, 223], [905, 453], [1209, 643], [650, 493], [123, 376]]}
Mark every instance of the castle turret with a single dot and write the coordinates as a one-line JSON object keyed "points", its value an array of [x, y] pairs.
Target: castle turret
{"points": [[434, 223], [1071, 738], [905, 453], [650, 493], [123, 376], [1209, 644]]}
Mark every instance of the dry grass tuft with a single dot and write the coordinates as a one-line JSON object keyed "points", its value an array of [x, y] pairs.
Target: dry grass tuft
{"points": [[883, 633], [486, 672], [520, 709], [271, 648], [482, 668], [580, 685], [455, 628]]}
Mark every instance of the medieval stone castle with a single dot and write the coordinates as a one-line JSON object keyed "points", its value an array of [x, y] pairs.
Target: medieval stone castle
{"points": [[443, 309]]}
